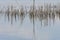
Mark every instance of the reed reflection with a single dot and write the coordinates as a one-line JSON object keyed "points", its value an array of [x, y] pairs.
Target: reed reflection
{"points": [[43, 13]]}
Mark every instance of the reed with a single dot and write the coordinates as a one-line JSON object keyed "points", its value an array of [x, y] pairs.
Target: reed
{"points": [[42, 12]]}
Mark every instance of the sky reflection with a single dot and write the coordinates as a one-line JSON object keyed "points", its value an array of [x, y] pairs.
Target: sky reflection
{"points": [[46, 27]]}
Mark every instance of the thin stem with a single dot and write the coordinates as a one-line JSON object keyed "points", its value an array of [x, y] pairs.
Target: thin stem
{"points": [[33, 21]]}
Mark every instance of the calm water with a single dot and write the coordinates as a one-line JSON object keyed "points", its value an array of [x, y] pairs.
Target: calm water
{"points": [[17, 31], [44, 30]]}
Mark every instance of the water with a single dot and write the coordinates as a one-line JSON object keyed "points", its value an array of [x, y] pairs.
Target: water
{"points": [[17, 31], [45, 28]]}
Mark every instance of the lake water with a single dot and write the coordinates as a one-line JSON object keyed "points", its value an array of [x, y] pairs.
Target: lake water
{"points": [[44, 30]]}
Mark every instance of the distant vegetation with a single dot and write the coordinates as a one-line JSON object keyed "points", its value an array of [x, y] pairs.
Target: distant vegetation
{"points": [[45, 12]]}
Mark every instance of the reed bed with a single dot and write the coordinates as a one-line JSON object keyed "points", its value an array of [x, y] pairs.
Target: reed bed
{"points": [[41, 13], [44, 14]]}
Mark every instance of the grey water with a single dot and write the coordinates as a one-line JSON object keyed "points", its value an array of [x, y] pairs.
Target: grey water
{"points": [[22, 29]]}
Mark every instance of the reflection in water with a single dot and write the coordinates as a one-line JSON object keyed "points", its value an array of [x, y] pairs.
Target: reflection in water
{"points": [[22, 14], [45, 14]]}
